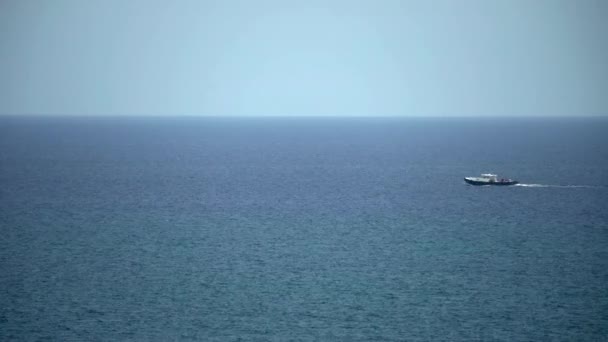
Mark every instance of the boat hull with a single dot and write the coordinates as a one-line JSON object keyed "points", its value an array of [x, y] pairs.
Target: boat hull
{"points": [[503, 183]]}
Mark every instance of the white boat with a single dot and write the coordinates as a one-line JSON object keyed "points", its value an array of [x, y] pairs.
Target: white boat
{"points": [[489, 179]]}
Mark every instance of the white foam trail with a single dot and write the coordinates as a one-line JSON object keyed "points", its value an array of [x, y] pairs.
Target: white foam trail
{"points": [[556, 186]]}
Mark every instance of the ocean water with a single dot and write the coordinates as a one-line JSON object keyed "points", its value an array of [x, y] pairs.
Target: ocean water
{"points": [[302, 229]]}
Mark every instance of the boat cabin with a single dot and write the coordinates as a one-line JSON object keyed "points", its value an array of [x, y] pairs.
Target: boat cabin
{"points": [[490, 177]]}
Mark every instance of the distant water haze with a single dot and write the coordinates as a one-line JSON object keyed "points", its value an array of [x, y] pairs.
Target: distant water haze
{"points": [[319, 58]]}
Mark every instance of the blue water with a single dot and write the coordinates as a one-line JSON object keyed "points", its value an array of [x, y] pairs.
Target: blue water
{"points": [[300, 229]]}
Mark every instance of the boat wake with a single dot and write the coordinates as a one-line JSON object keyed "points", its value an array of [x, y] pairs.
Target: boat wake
{"points": [[556, 186]]}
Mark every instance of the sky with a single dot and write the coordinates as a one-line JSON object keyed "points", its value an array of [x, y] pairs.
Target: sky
{"points": [[301, 58]]}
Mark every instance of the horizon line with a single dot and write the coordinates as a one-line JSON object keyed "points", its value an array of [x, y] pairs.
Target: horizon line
{"points": [[262, 116]]}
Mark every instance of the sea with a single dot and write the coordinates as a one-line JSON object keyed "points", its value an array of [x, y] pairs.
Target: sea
{"points": [[302, 229]]}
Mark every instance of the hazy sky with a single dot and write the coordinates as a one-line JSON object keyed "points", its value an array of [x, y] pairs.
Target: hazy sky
{"points": [[343, 57]]}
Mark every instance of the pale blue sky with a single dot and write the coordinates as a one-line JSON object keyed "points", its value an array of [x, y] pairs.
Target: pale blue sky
{"points": [[295, 58]]}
